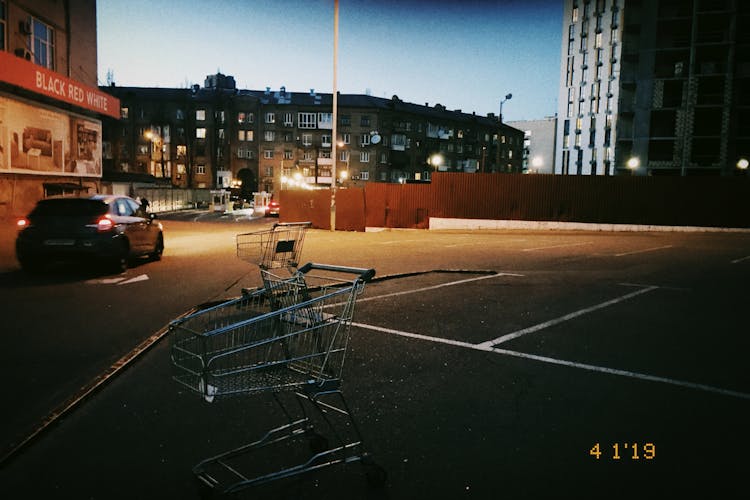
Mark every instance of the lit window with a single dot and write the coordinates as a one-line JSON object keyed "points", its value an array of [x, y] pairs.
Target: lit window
{"points": [[200, 133], [200, 169], [270, 117], [200, 115]]}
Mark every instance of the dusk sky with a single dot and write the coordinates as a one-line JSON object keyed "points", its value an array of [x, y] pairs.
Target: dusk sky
{"points": [[462, 54]]}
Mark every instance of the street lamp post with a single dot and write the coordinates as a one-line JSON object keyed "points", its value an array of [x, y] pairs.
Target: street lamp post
{"points": [[507, 98], [335, 111]]}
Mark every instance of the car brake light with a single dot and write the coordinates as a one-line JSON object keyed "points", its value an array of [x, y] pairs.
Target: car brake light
{"points": [[105, 224]]}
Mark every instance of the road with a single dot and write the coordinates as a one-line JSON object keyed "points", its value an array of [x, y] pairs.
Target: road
{"points": [[577, 338]]}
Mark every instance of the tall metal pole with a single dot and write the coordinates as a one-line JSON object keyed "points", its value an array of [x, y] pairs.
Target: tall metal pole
{"points": [[334, 138]]}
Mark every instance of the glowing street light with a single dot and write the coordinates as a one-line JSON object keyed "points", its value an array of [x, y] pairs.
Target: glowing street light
{"points": [[634, 162], [742, 163], [435, 160], [155, 140]]}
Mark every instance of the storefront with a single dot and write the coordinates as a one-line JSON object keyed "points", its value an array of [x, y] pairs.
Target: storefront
{"points": [[50, 135]]}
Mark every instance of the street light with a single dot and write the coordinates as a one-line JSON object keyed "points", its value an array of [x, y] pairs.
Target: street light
{"points": [[742, 163], [507, 98], [435, 161], [345, 154], [634, 162], [155, 138]]}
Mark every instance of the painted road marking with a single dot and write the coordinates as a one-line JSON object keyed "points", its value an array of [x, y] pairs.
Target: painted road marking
{"points": [[434, 287], [142, 277], [737, 261], [105, 281], [556, 246], [643, 251], [121, 280], [567, 317], [560, 362], [397, 242]]}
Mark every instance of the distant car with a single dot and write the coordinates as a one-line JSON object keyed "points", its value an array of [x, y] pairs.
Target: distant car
{"points": [[273, 208], [109, 228]]}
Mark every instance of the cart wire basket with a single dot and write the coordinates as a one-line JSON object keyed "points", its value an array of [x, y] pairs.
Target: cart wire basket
{"points": [[289, 340], [275, 248]]}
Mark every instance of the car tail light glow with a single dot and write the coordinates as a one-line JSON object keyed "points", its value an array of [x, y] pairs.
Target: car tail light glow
{"points": [[105, 224], [22, 223]]}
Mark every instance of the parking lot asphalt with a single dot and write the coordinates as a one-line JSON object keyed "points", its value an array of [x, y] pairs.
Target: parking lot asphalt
{"points": [[613, 372]]}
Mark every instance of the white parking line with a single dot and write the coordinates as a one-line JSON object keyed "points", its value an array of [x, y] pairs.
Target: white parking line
{"points": [[571, 364], [642, 251], [561, 319], [556, 246], [433, 287], [625, 373], [397, 242]]}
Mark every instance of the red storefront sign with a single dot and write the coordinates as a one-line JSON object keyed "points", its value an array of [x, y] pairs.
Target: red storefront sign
{"points": [[22, 73]]}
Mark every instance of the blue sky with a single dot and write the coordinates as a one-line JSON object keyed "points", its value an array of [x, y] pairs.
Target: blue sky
{"points": [[462, 54]]}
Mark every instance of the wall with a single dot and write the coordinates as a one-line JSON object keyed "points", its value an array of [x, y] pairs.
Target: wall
{"points": [[672, 201]]}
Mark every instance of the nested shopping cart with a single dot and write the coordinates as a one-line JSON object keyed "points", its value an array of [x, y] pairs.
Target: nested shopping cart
{"points": [[287, 339]]}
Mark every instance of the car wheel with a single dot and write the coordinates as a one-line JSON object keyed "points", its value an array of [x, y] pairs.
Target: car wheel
{"points": [[29, 264], [158, 248], [119, 263]]}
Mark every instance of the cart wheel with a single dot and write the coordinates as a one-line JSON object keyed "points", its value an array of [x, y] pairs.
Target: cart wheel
{"points": [[376, 475], [318, 443]]}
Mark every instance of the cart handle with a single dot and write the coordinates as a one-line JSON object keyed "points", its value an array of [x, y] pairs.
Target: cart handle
{"points": [[364, 274]]}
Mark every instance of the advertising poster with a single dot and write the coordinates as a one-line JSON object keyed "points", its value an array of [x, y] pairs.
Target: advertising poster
{"points": [[38, 140]]}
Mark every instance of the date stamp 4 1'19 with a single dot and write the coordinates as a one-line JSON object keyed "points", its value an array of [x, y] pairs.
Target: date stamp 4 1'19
{"points": [[623, 451]]}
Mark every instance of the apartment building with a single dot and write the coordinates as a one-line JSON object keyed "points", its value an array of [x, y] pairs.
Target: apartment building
{"points": [[654, 87], [218, 136], [197, 137], [538, 144], [51, 109]]}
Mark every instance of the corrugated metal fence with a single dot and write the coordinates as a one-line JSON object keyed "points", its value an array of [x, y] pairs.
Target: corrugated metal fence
{"points": [[675, 201]]}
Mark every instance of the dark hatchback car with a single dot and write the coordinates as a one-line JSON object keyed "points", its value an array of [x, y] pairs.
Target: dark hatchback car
{"points": [[109, 228]]}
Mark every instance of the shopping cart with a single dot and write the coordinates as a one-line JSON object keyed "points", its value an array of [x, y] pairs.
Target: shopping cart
{"points": [[289, 340], [275, 248]]}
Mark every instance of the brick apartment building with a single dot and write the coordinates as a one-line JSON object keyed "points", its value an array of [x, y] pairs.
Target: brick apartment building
{"points": [[218, 136]]}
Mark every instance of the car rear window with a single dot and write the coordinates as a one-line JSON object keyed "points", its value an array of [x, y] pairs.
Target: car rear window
{"points": [[72, 207]]}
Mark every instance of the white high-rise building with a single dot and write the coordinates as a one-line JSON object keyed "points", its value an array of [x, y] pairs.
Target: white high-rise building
{"points": [[589, 87]]}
